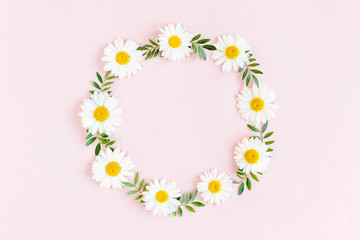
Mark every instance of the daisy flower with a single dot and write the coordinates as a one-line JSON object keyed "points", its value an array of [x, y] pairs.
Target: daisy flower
{"points": [[215, 188], [175, 42], [231, 51], [251, 155], [111, 168], [122, 58], [160, 197], [256, 104], [101, 113]]}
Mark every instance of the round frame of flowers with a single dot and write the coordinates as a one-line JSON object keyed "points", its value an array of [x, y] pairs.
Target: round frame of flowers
{"points": [[101, 114]]}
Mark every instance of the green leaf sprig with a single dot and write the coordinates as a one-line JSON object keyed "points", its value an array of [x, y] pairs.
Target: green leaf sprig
{"points": [[245, 180], [187, 201], [248, 71], [103, 141], [198, 46], [105, 83], [140, 187], [152, 50], [263, 136]]}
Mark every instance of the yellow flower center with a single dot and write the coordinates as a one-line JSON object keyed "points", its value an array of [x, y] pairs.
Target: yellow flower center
{"points": [[257, 104], [161, 196], [112, 169], [122, 58], [252, 156], [214, 186], [232, 52], [174, 41], [101, 114]]}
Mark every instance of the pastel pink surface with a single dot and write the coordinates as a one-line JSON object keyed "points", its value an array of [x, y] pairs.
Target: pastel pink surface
{"points": [[179, 119]]}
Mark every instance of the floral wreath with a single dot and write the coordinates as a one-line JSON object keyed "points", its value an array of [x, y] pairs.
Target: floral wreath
{"points": [[101, 114]]}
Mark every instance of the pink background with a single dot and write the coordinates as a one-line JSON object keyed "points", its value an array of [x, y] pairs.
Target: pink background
{"points": [[179, 119]]}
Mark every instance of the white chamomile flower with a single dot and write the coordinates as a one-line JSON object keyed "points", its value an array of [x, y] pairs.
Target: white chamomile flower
{"points": [[256, 104], [101, 113], [231, 51], [215, 188], [160, 197], [122, 58], [175, 42], [251, 155], [111, 168]]}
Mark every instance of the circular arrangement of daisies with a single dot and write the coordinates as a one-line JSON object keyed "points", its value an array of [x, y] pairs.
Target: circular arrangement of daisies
{"points": [[101, 114]]}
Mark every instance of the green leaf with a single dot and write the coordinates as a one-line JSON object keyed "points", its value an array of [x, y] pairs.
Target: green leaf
{"points": [[256, 71], [241, 188], [196, 37], [198, 204], [152, 53], [141, 201], [203, 53], [105, 141], [202, 41], [105, 89], [241, 173], [91, 91], [194, 48], [97, 149], [141, 48], [182, 199], [252, 59], [260, 173], [132, 192], [174, 213], [235, 182], [200, 52], [254, 64], [270, 150], [188, 198], [195, 194], [144, 188], [99, 77], [269, 142], [240, 69], [110, 143], [239, 176], [111, 77], [153, 43], [264, 127], [96, 85], [107, 84], [256, 81], [147, 46], [268, 134], [253, 128], [148, 55], [245, 73], [190, 208], [90, 141], [209, 47], [138, 197], [248, 183], [107, 74], [248, 80], [254, 177], [88, 136], [157, 52], [180, 212], [128, 184], [112, 149], [136, 178], [141, 183]]}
